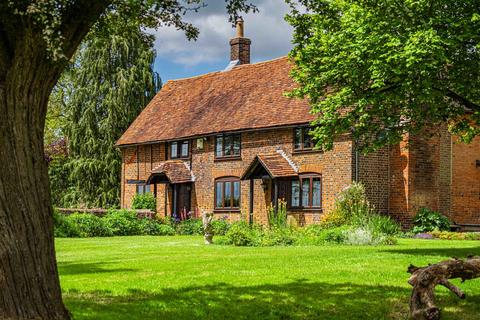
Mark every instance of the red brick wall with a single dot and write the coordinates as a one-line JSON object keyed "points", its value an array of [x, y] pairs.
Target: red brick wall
{"points": [[466, 182], [418, 176], [373, 173], [437, 172], [334, 166]]}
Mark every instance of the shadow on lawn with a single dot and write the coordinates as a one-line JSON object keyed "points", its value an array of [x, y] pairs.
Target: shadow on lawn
{"points": [[66, 268], [297, 300], [441, 252]]}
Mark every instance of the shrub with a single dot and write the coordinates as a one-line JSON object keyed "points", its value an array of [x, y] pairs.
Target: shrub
{"points": [[379, 224], [220, 227], [427, 220], [447, 235], [241, 234], [153, 227], [123, 223], [88, 225], [278, 237], [365, 236], [189, 227], [318, 235], [351, 208], [359, 236], [144, 201], [63, 227], [279, 219]]}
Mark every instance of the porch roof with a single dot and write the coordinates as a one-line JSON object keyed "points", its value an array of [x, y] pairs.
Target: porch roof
{"points": [[275, 165], [171, 171]]}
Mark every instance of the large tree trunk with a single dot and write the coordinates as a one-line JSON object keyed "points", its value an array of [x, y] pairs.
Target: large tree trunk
{"points": [[29, 283], [425, 279]]}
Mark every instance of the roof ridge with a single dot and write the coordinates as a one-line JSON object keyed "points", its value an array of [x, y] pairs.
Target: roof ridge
{"points": [[241, 66], [290, 161], [190, 170]]}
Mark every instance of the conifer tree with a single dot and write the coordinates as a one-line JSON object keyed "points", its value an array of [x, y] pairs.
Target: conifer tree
{"points": [[111, 81]]}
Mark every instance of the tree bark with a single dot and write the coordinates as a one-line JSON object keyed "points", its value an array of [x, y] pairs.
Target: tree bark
{"points": [[425, 279], [29, 284]]}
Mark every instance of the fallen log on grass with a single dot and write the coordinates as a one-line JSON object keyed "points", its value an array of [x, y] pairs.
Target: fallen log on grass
{"points": [[425, 279]]}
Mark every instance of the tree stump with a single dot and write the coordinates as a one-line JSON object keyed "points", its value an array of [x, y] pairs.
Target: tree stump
{"points": [[425, 279], [207, 227]]}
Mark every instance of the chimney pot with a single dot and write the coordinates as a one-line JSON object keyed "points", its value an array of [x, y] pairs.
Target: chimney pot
{"points": [[240, 33]]}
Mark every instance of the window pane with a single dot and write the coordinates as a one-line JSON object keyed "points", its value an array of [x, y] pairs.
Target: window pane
{"points": [[298, 138], [218, 194], [228, 193], [219, 147], [316, 192], [236, 145], [295, 193], [147, 188], [228, 140], [307, 139], [236, 194], [140, 188], [305, 192], [185, 149], [173, 150]]}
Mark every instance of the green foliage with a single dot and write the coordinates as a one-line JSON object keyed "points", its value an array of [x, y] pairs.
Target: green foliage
{"points": [[64, 227], [144, 201], [448, 235], [220, 227], [367, 236], [379, 68], [278, 237], [384, 225], [59, 183], [241, 234], [89, 225], [428, 220], [351, 207], [318, 235], [109, 83], [189, 227], [279, 219], [153, 227], [123, 223]]}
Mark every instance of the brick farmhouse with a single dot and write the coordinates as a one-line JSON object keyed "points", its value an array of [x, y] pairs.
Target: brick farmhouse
{"points": [[231, 143]]}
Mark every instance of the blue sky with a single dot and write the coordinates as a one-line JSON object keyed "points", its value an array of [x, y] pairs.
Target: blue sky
{"points": [[179, 58]]}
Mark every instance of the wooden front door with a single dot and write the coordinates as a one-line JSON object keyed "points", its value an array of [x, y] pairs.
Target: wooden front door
{"points": [[183, 200]]}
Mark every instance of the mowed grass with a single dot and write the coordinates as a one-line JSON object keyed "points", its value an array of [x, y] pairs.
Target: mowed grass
{"points": [[181, 278]]}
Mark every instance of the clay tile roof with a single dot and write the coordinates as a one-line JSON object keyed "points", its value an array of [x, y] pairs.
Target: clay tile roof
{"points": [[249, 96], [276, 165], [175, 171]]}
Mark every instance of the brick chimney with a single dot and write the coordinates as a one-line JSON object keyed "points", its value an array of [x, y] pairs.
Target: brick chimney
{"points": [[240, 46]]}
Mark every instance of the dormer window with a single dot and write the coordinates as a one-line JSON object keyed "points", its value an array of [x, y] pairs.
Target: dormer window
{"points": [[302, 139], [179, 149]]}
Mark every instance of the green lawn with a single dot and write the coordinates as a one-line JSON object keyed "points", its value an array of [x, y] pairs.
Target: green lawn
{"points": [[180, 278]]}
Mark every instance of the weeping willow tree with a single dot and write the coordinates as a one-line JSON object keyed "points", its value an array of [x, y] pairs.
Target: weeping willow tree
{"points": [[111, 81]]}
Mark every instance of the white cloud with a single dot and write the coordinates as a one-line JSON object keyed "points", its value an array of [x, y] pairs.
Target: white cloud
{"points": [[270, 35]]}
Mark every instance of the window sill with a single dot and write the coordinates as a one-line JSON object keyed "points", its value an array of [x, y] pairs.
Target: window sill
{"points": [[309, 210], [226, 211], [180, 158], [236, 158], [306, 151]]}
